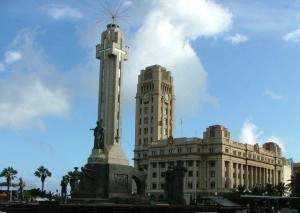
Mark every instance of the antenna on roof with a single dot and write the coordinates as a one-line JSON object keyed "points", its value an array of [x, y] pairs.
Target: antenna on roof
{"points": [[115, 11]]}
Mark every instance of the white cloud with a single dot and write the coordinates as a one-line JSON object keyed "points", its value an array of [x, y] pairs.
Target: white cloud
{"points": [[33, 90], [2, 67], [28, 100], [12, 56], [164, 38], [127, 3], [58, 11], [293, 36], [250, 133], [237, 38], [277, 141], [273, 95]]}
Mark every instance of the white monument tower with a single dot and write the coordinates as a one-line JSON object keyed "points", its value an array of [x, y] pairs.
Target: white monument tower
{"points": [[112, 53]]}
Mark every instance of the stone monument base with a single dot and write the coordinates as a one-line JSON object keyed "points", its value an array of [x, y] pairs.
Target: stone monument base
{"points": [[104, 180]]}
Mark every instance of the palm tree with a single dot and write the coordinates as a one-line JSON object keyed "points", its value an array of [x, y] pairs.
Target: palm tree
{"points": [[280, 189], [269, 189], [42, 173], [9, 174]]}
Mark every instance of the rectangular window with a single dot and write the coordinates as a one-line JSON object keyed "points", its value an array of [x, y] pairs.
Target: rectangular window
{"points": [[162, 164], [145, 120], [212, 163], [145, 140], [154, 175], [179, 163], [154, 164], [190, 163], [212, 185], [154, 186], [171, 163], [189, 149], [190, 173]]}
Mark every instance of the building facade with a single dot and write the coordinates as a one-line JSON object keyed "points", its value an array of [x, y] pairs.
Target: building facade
{"points": [[214, 164], [154, 106]]}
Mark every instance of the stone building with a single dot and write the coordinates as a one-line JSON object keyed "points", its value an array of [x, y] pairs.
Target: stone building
{"points": [[215, 163], [287, 171], [154, 106]]}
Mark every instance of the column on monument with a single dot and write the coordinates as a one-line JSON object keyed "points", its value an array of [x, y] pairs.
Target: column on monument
{"points": [[259, 175], [268, 176], [242, 175], [246, 176], [263, 176], [256, 175], [276, 176], [267, 180], [273, 177], [236, 175], [230, 175], [251, 176], [239, 174]]}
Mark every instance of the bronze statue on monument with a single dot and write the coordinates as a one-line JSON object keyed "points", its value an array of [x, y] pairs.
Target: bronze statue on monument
{"points": [[99, 135]]}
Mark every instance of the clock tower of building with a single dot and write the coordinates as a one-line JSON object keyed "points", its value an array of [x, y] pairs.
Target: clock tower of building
{"points": [[154, 106]]}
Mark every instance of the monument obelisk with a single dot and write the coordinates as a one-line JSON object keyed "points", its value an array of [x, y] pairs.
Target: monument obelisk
{"points": [[112, 53], [107, 173]]}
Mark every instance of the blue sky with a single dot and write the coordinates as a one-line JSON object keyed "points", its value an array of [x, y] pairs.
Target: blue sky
{"points": [[234, 63]]}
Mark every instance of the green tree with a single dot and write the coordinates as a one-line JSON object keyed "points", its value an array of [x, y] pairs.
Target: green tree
{"points": [[9, 174], [42, 173], [269, 189], [295, 184], [280, 189]]}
